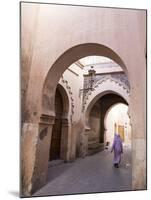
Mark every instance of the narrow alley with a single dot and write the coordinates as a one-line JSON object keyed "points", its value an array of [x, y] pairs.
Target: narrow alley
{"points": [[92, 174]]}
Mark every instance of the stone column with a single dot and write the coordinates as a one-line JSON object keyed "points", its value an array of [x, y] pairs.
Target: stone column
{"points": [[139, 173], [137, 110], [42, 152], [139, 176], [27, 155]]}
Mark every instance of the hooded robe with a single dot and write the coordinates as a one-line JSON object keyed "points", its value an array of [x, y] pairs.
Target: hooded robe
{"points": [[117, 147]]}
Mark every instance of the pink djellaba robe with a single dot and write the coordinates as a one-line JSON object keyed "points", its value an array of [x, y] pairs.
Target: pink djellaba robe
{"points": [[117, 147]]}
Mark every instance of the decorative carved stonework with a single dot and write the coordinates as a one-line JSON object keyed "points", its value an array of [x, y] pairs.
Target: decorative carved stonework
{"points": [[68, 88], [119, 79]]}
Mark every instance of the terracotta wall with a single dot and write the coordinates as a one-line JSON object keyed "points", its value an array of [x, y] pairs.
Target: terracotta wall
{"points": [[46, 35]]}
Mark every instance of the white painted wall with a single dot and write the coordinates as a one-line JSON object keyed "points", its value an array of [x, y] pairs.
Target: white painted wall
{"points": [[74, 76], [118, 114]]}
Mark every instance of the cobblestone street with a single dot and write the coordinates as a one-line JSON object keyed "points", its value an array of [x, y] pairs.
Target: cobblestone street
{"points": [[94, 173]]}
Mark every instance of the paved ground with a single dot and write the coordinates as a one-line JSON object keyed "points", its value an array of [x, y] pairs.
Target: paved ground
{"points": [[92, 174]]}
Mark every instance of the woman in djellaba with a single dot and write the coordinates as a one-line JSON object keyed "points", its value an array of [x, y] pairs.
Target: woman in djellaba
{"points": [[117, 148]]}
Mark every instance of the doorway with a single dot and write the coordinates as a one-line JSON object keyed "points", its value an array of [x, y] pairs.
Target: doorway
{"points": [[57, 128], [121, 131]]}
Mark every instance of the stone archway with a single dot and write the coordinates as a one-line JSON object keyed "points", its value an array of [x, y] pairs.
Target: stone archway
{"points": [[106, 100], [47, 111], [64, 61], [100, 89]]}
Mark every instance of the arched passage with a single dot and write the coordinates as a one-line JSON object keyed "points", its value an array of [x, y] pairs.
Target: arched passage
{"points": [[64, 61], [95, 125], [101, 89], [47, 116], [38, 61]]}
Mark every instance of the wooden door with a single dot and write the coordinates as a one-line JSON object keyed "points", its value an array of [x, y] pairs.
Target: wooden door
{"points": [[56, 131], [121, 132]]}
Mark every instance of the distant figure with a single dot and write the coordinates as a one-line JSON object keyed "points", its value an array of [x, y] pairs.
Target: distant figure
{"points": [[117, 147]]}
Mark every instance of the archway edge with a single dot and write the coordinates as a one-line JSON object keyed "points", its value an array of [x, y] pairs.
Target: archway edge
{"points": [[94, 101], [105, 88], [64, 61]]}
